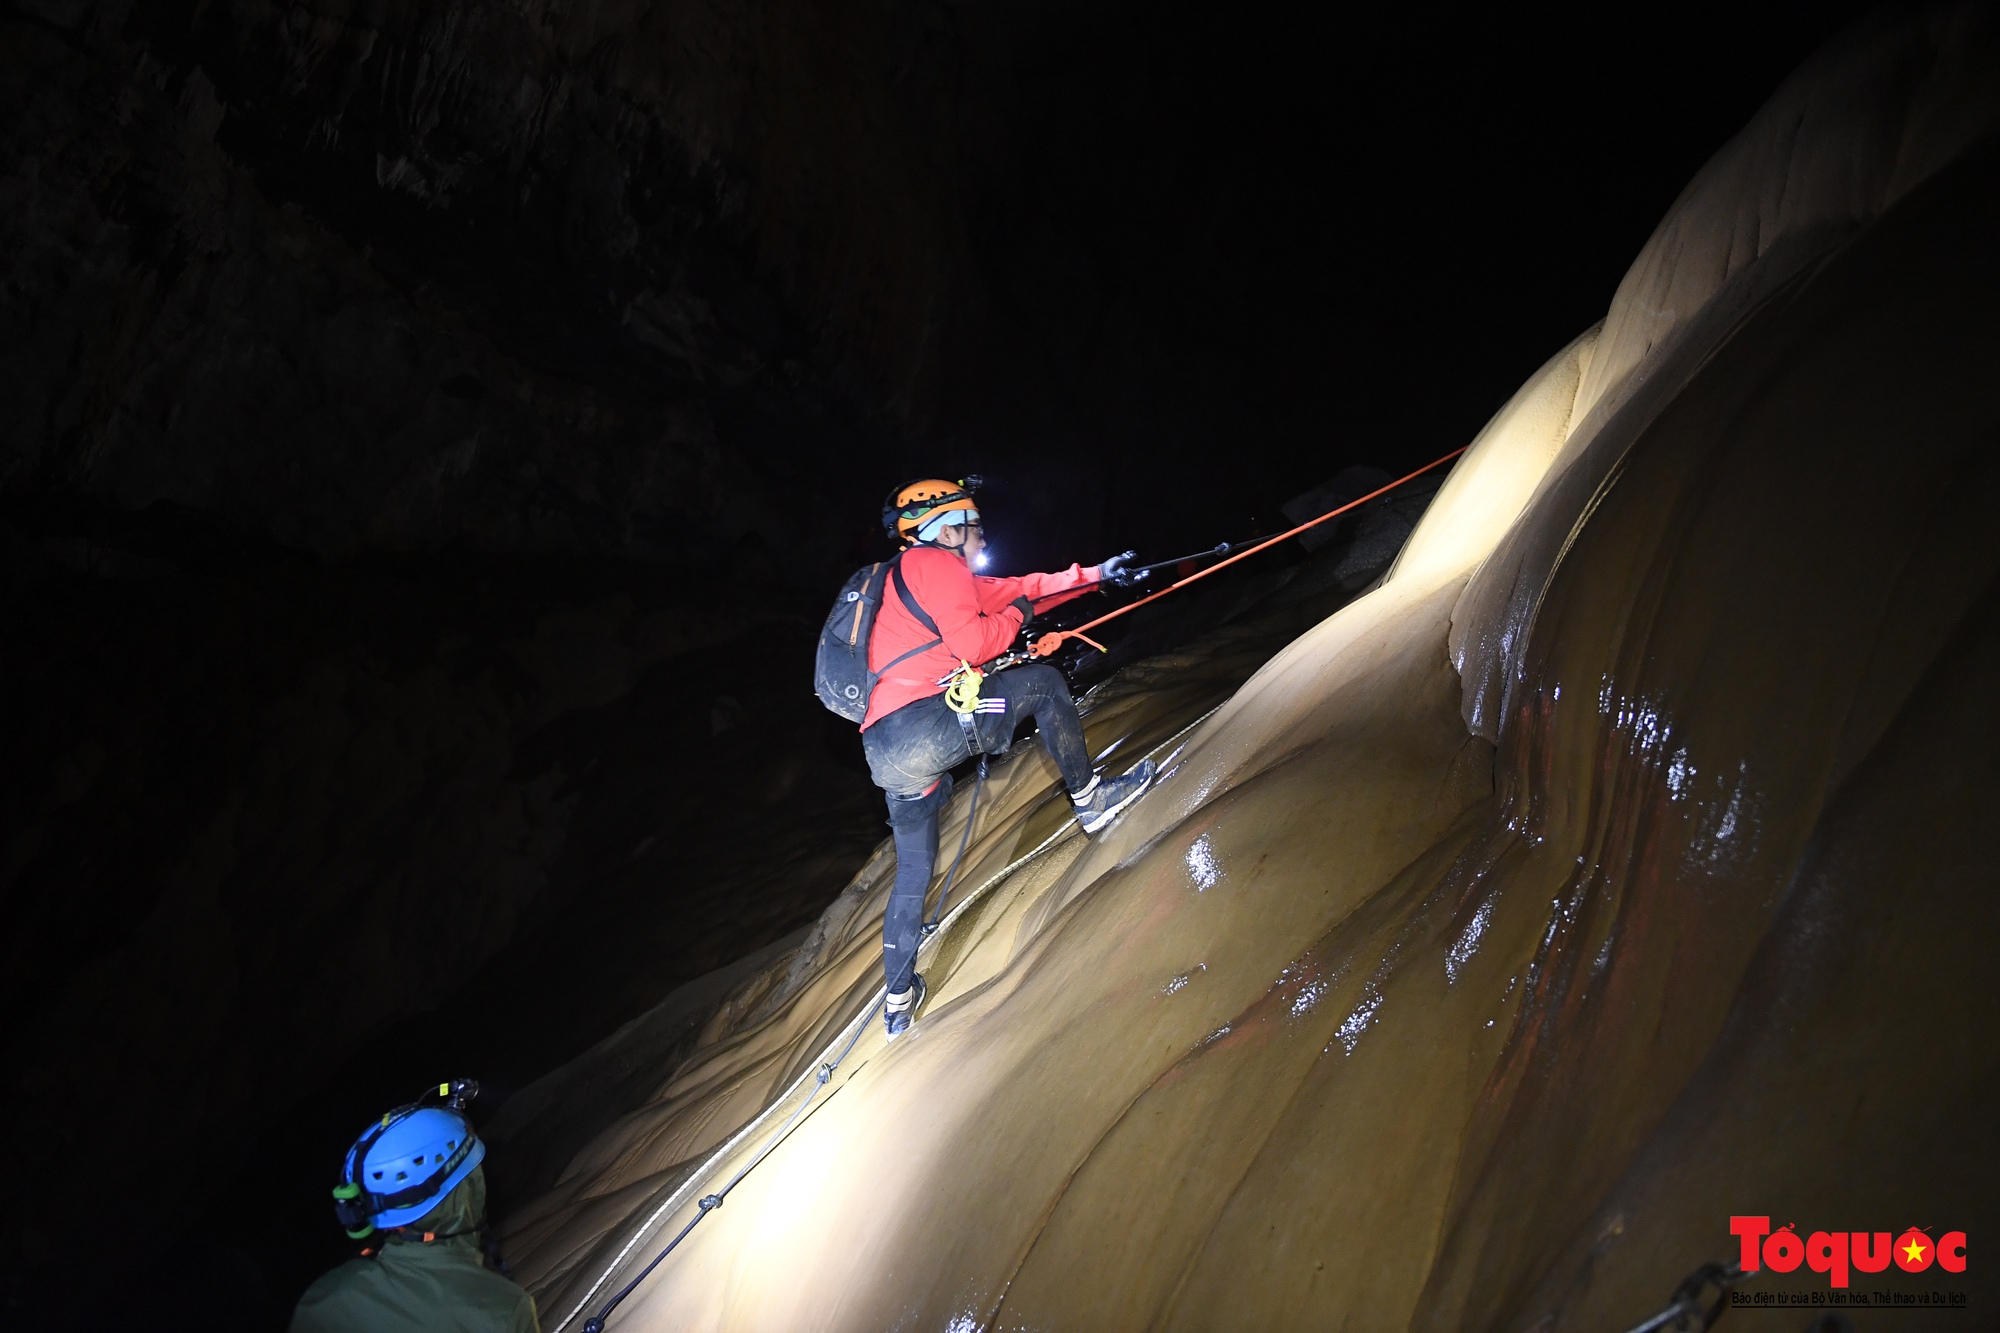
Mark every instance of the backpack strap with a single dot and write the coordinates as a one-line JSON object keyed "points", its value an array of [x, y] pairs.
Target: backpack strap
{"points": [[921, 616]]}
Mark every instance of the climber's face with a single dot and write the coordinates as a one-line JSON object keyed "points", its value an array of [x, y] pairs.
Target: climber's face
{"points": [[968, 539]]}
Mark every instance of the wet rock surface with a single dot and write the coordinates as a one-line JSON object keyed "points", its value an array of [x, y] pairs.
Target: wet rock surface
{"points": [[1360, 1016], [1225, 638], [430, 431]]}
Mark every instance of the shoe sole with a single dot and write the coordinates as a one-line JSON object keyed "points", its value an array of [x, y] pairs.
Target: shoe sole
{"points": [[1119, 808]]}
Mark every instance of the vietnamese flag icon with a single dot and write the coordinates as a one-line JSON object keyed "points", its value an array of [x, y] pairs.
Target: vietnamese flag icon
{"points": [[1913, 1251]]}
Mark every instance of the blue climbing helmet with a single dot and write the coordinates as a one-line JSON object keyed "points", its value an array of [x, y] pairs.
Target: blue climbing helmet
{"points": [[407, 1161]]}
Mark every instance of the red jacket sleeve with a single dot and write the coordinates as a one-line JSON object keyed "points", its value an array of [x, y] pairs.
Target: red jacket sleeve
{"points": [[945, 588], [1044, 590]]}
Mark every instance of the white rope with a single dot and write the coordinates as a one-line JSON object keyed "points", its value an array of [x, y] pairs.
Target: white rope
{"points": [[929, 945]]}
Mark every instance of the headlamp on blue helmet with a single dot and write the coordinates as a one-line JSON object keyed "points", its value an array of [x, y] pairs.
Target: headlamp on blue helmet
{"points": [[404, 1164]]}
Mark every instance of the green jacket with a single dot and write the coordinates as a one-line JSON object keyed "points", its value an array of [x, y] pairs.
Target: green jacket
{"points": [[410, 1286]]}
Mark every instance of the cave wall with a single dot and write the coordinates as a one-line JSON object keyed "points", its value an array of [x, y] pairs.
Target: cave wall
{"points": [[1362, 1019], [206, 315], [403, 399], [583, 276], [1882, 108], [365, 627], [1359, 1017], [294, 843]]}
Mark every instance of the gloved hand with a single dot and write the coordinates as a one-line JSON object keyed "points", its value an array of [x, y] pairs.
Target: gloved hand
{"points": [[1112, 571], [1027, 608]]}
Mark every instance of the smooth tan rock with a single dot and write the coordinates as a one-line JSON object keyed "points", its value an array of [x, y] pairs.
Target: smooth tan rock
{"points": [[1361, 1021]]}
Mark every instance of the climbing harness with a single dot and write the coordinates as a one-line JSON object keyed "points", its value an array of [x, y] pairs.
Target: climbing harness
{"points": [[1047, 644], [961, 688], [1686, 1311], [820, 1074], [961, 696]]}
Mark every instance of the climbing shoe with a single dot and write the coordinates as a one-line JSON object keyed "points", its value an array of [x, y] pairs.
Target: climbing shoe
{"points": [[1105, 798], [901, 1010]]}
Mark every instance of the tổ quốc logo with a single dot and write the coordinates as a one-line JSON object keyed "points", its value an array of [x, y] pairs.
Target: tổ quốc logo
{"points": [[1841, 1254]]}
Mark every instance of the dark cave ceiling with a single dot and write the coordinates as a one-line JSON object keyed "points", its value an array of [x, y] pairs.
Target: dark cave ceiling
{"points": [[632, 279]]}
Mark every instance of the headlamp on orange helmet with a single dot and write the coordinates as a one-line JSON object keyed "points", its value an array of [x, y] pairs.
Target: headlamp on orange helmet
{"points": [[919, 510]]}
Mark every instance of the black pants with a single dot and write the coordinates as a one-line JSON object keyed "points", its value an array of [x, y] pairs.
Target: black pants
{"points": [[911, 753]]}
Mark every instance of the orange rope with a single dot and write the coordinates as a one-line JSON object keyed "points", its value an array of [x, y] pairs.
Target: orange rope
{"points": [[1047, 644]]}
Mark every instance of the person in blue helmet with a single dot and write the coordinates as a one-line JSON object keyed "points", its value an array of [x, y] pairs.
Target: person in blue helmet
{"points": [[413, 1189]]}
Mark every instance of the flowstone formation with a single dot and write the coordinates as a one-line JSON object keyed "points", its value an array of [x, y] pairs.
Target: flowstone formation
{"points": [[1616, 866]]}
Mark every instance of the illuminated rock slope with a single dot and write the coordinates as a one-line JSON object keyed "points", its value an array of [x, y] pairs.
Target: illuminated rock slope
{"points": [[1621, 863]]}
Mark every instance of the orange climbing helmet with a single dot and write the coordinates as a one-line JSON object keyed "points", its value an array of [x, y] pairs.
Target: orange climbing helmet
{"points": [[917, 504]]}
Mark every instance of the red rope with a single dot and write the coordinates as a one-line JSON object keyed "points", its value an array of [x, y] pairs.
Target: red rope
{"points": [[1047, 644]]}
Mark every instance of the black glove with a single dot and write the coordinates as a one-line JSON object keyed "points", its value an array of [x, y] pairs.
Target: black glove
{"points": [[1027, 609], [1111, 571]]}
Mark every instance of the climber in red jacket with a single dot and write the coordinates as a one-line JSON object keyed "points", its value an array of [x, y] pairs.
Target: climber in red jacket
{"points": [[936, 615]]}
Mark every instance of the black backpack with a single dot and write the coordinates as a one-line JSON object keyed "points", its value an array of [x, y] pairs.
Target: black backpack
{"points": [[840, 671]]}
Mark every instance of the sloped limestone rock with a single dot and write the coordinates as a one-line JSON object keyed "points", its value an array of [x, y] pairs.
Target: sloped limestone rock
{"points": [[1362, 1020]]}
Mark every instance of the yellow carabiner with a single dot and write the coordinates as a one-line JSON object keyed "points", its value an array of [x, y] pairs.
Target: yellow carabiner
{"points": [[962, 695]]}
